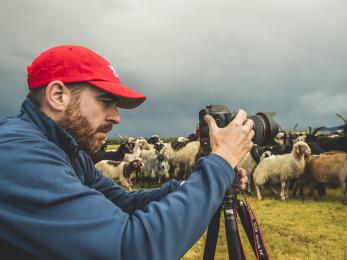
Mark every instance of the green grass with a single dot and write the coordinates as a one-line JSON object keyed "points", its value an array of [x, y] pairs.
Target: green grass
{"points": [[294, 229], [112, 147]]}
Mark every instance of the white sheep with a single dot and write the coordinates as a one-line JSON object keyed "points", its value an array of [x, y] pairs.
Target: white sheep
{"points": [[281, 168], [128, 157], [182, 157], [151, 150], [182, 139], [121, 172], [249, 164], [266, 154]]}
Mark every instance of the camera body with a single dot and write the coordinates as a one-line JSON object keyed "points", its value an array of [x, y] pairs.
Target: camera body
{"points": [[265, 127]]}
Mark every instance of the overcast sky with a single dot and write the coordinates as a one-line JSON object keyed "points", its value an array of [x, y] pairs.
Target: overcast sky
{"points": [[286, 56]]}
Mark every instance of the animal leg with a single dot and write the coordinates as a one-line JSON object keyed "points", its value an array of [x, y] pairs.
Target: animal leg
{"points": [[343, 183], [258, 192], [249, 185], [286, 190], [283, 186]]}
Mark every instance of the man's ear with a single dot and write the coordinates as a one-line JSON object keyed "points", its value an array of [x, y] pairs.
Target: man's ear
{"points": [[57, 96]]}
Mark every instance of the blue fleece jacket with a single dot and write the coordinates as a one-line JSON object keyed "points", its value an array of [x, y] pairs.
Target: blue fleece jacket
{"points": [[54, 204]]}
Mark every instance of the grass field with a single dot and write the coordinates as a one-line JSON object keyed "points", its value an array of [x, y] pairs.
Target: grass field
{"points": [[294, 229]]}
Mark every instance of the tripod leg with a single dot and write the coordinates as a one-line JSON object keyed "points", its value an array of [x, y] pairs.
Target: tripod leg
{"points": [[212, 236], [233, 237]]}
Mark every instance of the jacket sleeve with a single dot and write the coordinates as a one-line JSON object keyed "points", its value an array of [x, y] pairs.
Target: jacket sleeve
{"points": [[47, 211]]}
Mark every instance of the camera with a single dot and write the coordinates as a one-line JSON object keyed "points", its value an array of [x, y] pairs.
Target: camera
{"points": [[265, 126]]}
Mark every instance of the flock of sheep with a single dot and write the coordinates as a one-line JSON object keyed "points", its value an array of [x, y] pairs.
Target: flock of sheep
{"points": [[140, 160], [297, 161]]}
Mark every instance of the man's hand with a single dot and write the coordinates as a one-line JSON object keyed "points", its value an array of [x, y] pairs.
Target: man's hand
{"points": [[233, 141], [242, 177]]}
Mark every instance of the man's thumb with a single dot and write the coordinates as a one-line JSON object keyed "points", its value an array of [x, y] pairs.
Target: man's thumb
{"points": [[210, 122]]}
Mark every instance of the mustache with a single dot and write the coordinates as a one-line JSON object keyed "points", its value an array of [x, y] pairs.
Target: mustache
{"points": [[104, 128]]}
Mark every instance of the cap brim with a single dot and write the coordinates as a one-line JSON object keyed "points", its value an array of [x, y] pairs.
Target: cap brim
{"points": [[128, 98]]}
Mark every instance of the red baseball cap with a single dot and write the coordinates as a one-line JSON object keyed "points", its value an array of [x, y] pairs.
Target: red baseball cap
{"points": [[71, 63]]}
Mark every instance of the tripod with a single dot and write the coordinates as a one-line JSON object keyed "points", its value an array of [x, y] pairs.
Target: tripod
{"points": [[231, 206]]}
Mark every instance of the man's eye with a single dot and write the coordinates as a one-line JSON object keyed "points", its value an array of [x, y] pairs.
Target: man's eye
{"points": [[109, 102]]}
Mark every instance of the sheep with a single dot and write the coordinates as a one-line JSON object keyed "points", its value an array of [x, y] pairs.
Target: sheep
{"points": [[249, 163], [159, 146], [182, 157], [150, 149], [156, 166], [154, 139], [128, 157], [305, 179], [281, 168], [330, 143], [325, 168], [121, 172], [182, 139], [279, 138], [125, 147], [284, 143], [265, 154], [193, 137]]}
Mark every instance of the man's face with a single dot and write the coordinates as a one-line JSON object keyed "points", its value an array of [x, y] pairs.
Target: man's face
{"points": [[89, 116]]}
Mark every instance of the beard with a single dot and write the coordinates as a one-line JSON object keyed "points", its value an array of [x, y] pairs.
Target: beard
{"points": [[80, 128]]}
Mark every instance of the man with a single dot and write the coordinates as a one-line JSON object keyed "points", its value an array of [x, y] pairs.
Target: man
{"points": [[56, 205]]}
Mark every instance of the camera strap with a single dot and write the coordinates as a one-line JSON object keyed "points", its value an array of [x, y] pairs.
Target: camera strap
{"points": [[252, 230]]}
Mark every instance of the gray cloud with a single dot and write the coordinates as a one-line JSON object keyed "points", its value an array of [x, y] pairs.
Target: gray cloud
{"points": [[283, 56]]}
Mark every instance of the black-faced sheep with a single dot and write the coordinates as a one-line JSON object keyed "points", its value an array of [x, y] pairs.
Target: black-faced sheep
{"points": [[154, 139], [281, 168], [125, 147]]}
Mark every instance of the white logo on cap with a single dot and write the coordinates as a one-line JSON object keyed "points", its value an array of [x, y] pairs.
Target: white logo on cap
{"points": [[113, 71]]}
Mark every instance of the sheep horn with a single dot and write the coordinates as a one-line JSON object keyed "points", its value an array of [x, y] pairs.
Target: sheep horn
{"points": [[343, 118], [316, 130]]}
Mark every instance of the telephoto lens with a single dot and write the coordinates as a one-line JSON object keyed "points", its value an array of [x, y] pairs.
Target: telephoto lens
{"points": [[265, 126]]}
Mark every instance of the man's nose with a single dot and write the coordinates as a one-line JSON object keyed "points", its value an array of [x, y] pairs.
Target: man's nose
{"points": [[113, 116]]}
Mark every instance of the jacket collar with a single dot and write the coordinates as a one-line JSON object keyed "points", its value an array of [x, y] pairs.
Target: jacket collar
{"points": [[50, 128]]}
